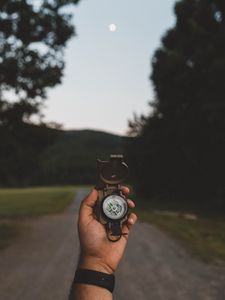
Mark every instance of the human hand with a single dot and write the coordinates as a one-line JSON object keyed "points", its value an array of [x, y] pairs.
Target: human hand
{"points": [[97, 252]]}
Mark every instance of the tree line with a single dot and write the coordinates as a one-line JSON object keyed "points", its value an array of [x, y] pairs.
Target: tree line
{"points": [[178, 153]]}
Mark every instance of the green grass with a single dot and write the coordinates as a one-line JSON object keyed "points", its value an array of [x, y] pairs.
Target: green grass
{"points": [[203, 237], [16, 204], [34, 201]]}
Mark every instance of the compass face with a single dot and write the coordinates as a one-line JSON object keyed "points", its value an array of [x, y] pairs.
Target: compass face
{"points": [[114, 207]]}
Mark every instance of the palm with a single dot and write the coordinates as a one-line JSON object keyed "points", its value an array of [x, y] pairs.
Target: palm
{"points": [[97, 244]]}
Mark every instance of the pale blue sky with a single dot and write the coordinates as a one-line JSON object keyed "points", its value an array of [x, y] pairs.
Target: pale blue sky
{"points": [[106, 74]]}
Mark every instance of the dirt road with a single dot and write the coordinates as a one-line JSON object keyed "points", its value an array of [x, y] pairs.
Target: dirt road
{"points": [[40, 264]]}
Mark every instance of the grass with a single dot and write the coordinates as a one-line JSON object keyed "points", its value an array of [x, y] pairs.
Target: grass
{"points": [[34, 202], [203, 237], [15, 204]]}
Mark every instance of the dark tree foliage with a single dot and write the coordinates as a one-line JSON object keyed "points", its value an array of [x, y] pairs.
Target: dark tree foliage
{"points": [[179, 152], [20, 152], [37, 155], [33, 35]]}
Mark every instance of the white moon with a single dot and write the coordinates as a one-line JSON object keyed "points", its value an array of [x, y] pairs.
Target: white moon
{"points": [[112, 27]]}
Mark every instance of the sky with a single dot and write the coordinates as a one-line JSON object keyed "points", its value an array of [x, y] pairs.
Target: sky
{"points": [[106, 78]]}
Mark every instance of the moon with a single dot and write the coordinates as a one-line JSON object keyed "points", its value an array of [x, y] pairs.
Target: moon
{"points": [[112, 27]]}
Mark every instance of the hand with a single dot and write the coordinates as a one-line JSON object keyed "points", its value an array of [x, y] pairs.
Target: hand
{"points": [[97, 252]]}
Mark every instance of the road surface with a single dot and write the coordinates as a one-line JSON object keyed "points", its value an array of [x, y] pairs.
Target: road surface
{"points": [[40, 264]]}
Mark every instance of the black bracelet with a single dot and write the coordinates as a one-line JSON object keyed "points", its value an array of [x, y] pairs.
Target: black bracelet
{"points": [[100, 279]]}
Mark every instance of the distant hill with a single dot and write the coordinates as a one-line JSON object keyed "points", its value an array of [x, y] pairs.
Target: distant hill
{"points": [[39, 155], [72, 157]]}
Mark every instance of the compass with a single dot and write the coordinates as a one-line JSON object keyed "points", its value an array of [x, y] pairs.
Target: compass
{"points": [[112, 207]]}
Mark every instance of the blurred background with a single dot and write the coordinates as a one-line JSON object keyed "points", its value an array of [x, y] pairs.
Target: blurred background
{"points": [[80, 80]]}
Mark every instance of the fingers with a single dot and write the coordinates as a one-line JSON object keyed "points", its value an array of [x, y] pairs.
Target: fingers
{"points": [[131, 203], [132, 219], [91, 199], [125, 190]]}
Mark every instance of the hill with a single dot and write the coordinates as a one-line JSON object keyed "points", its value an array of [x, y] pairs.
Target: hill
{"points": [[39, 155], [72, 157]]}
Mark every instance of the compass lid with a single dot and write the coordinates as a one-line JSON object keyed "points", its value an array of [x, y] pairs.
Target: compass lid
{"points": [[114, 171]]}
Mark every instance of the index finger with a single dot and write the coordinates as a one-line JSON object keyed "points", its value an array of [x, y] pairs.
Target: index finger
{"points": [[125, 190]]}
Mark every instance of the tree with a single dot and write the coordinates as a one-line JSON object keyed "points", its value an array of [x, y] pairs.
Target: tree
{"points": [[33, 35], [182, 143]]}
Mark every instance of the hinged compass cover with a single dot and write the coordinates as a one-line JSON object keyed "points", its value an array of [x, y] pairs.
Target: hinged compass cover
{"points": [[112, 172]]}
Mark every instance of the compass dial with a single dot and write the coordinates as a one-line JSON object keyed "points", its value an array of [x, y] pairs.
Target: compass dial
{"points": [[114, 207]]}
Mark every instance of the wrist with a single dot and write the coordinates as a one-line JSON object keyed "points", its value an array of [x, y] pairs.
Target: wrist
{"points": [[88, 277], [95, 264]]}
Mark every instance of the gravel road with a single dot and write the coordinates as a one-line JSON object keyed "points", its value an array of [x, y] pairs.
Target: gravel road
{"points": [[40, 264]]}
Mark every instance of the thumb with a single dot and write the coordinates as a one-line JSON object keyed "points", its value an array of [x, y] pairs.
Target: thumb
{"points": [[87, 205]]}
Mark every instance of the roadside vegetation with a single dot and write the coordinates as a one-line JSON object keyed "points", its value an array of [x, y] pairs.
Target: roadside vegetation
{"points": [[203, 236], [16, 204]]}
